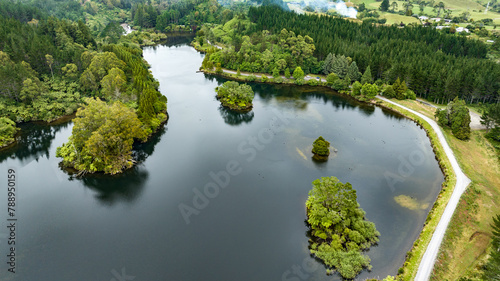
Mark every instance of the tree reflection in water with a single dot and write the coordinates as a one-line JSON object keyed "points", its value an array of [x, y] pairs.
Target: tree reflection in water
{"points": [[33, 142], [127, 186], [234, 118]]}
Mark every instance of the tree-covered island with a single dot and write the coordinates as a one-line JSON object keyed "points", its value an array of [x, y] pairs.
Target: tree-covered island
{"points": [[339, 231], [235, 96]]}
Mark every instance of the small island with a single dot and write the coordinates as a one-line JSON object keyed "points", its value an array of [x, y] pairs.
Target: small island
{"points": [[339, 231], [321, 149], [234, 96]]}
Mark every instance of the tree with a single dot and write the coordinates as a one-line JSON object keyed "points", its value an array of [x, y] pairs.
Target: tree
{"points": [[338, 228], [491, 116], [328, 64], [298, 73], [7, 131], [389, 92], [31, 90], [113, 83], [457, 116], [369, 90], [356, 88], [400, 89], [353, 71], [287, 73], [459, 119], [491, 269], [235, 96], [102, 138], [367, 76], [384, 6], [331, 78], [394, 6], [276, 72], [321, 147], [50, 61], [70, 71], [340, 65], [439, 6]]}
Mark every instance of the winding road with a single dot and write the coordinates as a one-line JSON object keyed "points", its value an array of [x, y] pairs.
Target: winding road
{"points": [[427, 263]]}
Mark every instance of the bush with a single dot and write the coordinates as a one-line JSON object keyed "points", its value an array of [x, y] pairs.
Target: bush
{"points": [[321, 147], [7, 131], [411, 95], [251, 78], [312, 82], [300, 81], [263, 78]]}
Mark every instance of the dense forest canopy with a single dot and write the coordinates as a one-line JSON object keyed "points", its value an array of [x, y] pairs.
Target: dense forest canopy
{"points": [[437, 66]]}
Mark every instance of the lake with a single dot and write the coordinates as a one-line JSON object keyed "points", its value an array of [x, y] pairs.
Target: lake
{"points": [[217, 195]]}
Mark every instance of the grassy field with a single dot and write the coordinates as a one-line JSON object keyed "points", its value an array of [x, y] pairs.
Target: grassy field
{"points": [[467, 239], [457, 7]]}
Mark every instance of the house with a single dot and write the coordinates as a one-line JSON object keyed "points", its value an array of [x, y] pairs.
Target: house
{"points": [[461, 29], [423, 18]]}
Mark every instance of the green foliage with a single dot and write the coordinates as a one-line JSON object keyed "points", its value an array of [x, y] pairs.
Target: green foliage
{"points": [[353, 71], [339, 230], [262, 51], [389, 92], [113, 84], [7, 131], [384, 6], [298, 73], [400, 89], [263, 78], [312, 82], [456, 115], [356, 88], [287, 73], [321, 147], [102, 138], [251, 78], [218, 68], [331, 79], [235, 96], [491, 269], [491, 119], [435, 65], [367, 76], [300, 81], [143, 38], [369, 90], [410, 95]]}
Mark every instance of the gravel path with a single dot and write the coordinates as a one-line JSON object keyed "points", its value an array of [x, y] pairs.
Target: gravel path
{"points": [[427, 263]]}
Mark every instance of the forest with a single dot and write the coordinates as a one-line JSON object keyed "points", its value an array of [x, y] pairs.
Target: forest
{"points": [[436, 66], [50, 65]]}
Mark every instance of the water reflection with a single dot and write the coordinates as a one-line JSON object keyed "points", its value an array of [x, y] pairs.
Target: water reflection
{"points": [[33, 142], [234, 118], [127, 186], [141, 151], [124, 187]]}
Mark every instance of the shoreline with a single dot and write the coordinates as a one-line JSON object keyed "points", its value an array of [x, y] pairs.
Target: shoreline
{"points": [[416, 253]]}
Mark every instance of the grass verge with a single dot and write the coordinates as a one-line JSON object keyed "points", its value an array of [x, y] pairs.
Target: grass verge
{"points": [[414, 256], [465, 245]]}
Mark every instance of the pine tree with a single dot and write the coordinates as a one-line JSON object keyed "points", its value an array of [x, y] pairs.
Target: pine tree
{"points": [[340, 65], [328, 64], [353, 71], [367, 76]]}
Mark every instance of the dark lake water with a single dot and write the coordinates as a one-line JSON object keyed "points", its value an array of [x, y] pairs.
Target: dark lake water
{"points": [[253, 172]]}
